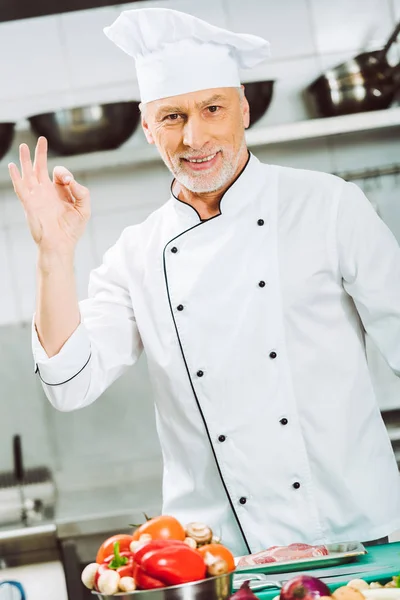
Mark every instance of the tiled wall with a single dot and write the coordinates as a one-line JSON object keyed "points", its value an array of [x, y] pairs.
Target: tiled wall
{"points": [[66, 60]]}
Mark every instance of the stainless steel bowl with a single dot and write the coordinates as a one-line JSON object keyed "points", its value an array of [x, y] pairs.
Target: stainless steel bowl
{"points": [[7, 131], [213, 588], [87, 128]]}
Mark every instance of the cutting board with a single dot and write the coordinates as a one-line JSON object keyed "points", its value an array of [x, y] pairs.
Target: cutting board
{"points": [[387, 554]]}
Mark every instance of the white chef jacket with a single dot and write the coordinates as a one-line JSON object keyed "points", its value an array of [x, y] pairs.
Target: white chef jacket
{"points": [[253, 324]]}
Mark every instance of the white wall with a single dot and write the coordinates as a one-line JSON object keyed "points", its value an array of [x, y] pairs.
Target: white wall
{"points": [[66, 60]]}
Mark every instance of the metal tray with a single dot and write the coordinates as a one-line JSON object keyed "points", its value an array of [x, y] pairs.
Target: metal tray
{"points": [[338, 554]]}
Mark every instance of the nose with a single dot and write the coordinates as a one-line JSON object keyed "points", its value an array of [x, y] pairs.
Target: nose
{"points": [[195, 133]]}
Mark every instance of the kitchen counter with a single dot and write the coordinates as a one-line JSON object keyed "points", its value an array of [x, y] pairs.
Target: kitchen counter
{"points": [[387, 556]]}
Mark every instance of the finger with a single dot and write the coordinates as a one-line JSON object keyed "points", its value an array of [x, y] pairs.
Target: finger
{"points": [[79, 192], [40, 162], [62, 176], [16, 180], [28, 175]]}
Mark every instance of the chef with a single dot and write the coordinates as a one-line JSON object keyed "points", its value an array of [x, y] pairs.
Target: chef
{"points": [[250, 291]]}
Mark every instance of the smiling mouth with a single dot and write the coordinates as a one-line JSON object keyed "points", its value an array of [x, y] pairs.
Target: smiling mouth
{"points": [[202, 160]]}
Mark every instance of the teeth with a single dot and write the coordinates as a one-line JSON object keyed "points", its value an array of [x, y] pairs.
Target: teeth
{"points": [[201, 160]]}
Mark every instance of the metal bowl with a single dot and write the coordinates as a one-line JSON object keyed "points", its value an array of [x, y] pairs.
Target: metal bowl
{"points": [[213, 588], [87, 128], [7, 131], [259, 96]]}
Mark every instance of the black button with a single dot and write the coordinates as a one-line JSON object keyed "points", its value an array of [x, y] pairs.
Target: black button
{"points": [[262, 284], [221, 438], [284, 421], [273, 355], [260, 222], [296, 485], [180, 307], [174, 249], [243, 500], [200, 373]]}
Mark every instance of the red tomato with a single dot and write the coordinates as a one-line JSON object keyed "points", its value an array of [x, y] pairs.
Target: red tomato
{"points": [[219, 551], [161, 528], [107, 547]]}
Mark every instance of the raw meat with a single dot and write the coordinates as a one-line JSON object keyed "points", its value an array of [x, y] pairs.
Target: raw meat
{"points": [[282, 554]]}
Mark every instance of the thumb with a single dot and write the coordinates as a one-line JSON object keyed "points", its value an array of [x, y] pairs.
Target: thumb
{"points": [[79, 192]]}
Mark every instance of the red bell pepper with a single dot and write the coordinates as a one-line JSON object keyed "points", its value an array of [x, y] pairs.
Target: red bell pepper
{"points": [[122, 562], [170, 562], [144, 581]]}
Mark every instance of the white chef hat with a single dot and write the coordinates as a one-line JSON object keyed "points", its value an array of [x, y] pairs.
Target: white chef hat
{"points": [[177, 53]]}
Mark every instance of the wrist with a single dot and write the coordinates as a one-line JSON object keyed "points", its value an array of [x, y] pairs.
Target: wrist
{"points": [[50, 261]]}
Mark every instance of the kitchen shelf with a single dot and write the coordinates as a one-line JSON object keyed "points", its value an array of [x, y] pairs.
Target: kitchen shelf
{"points": [[130, 154]]}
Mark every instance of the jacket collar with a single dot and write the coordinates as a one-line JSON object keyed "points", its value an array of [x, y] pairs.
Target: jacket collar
{"points": [[234, 198]]}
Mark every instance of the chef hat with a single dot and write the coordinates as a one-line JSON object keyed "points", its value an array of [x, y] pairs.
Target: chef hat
{"points": [[177, 53]]}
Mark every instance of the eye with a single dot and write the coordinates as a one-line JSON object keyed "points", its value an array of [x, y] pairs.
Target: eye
{"points": [[172, 117], [213, 109]]}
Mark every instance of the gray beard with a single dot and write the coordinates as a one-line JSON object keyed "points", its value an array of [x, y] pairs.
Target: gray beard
{"points": [[201, 184]]}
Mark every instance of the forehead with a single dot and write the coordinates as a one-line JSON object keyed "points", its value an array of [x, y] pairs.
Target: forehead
{"points": [[191, 100]]}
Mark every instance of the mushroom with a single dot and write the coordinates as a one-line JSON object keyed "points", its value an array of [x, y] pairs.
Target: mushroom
{"points": [[127, 584], [199, 532], [215, 566], [358, 584], [108, 582], [89, 574], [191, 542]]}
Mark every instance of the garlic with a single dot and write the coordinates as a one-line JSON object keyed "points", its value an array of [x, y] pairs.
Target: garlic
{"points": [[191, 542], [145, 537], [200, 532], [375, 585], [108, 582], [127, 584], [358, 584], [88, 575]]}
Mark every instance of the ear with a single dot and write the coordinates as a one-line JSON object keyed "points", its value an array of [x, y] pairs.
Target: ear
{"points": [[147, 132], [245, 110]]}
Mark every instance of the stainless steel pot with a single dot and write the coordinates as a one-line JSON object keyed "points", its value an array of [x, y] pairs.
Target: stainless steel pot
{"points": [[87, 128], [213, 588], [7, 131], [366, 82]]}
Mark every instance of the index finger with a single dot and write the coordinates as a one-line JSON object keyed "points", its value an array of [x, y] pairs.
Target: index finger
{"points": [[40, 163]]}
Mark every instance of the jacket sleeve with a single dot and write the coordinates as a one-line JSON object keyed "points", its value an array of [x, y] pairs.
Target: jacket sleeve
{"points": [[104, 345], [369, 259]]}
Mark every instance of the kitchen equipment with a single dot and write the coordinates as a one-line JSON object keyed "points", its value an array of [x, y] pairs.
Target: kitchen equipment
{"points": [[378, 556], [365, 82], [11, 590], [338, 553], [87, 128], [27, 496], [259, 96], [19, 473], [213, 588], [7, 131], [259, 581]]}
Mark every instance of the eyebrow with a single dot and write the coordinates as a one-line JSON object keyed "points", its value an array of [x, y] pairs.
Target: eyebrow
{"points": [[174, 109]]}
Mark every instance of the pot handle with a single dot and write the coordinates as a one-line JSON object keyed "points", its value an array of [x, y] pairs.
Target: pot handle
{"points": [[382, 55]]}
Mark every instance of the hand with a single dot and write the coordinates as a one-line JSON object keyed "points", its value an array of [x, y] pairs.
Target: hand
{"points": [[57, 211]]}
